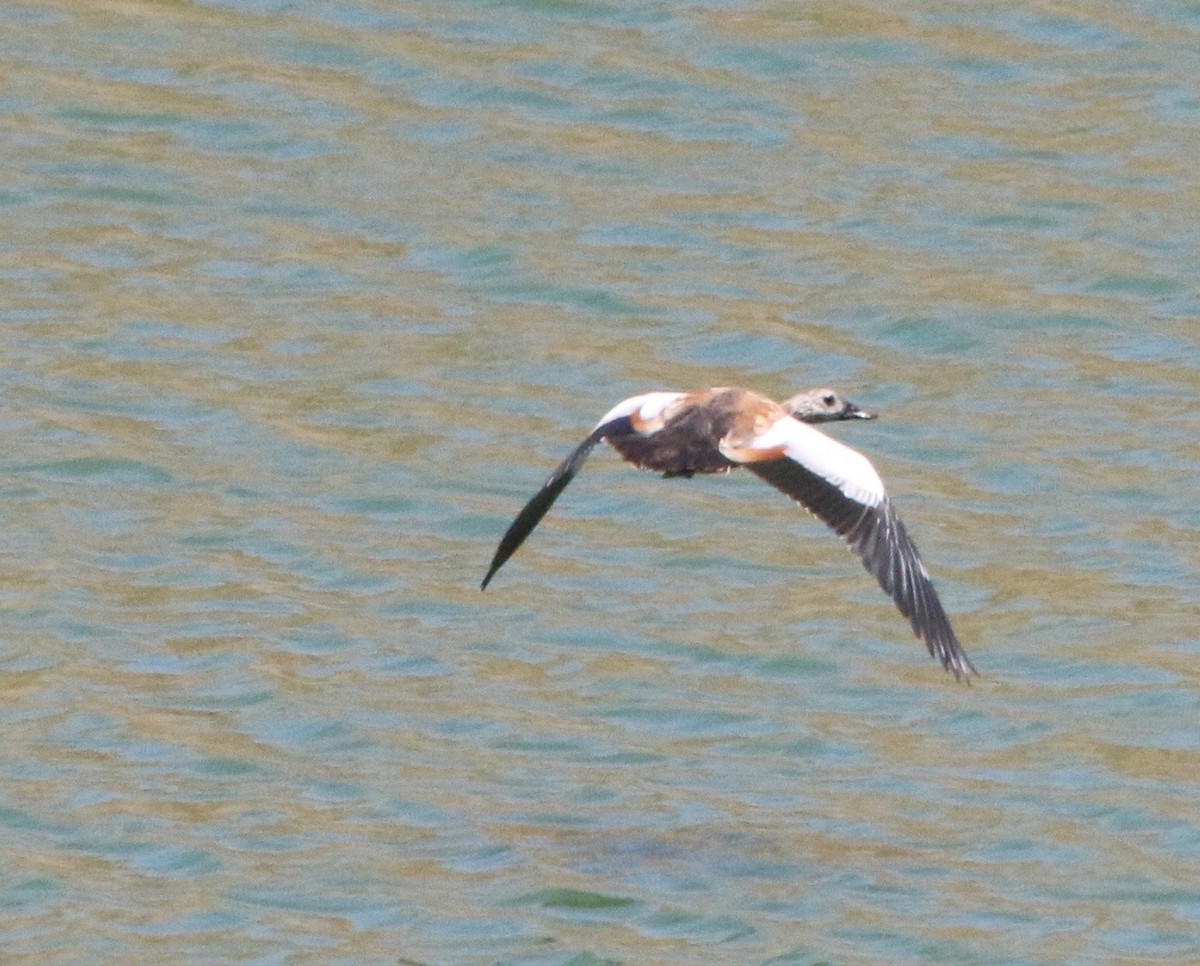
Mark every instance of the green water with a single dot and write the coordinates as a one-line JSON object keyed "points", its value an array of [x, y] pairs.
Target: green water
{"points": [[302, 301]]}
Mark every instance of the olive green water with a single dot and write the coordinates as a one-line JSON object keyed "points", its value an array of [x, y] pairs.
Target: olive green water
{"points": [[302, 301]]}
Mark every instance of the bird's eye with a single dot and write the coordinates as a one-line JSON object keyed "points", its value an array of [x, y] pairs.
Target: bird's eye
{"points": [[829, 400]]}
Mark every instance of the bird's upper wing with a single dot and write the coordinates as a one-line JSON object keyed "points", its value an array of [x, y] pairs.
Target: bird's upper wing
{"points": [[840, 486], [622, 419]]}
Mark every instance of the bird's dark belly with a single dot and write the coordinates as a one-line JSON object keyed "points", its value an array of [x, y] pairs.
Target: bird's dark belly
{"points": [[686, 445]]}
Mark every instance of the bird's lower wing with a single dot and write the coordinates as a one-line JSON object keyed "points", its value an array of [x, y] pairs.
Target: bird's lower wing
{"points": [[878, 536]]}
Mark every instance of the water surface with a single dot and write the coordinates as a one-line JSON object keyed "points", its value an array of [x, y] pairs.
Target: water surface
{"points": [[302, 301]]}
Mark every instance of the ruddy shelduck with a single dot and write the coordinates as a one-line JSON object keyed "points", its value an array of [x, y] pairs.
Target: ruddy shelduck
{"points": [[717, 430]]}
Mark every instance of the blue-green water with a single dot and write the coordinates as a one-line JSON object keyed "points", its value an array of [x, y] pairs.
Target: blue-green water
{"points": [[302, 301]]}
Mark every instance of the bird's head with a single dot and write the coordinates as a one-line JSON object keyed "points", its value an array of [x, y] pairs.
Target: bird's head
{"points": [[823, 406]]}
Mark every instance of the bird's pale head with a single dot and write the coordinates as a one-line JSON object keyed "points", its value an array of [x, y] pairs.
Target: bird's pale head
{"points": [[823, 406]]}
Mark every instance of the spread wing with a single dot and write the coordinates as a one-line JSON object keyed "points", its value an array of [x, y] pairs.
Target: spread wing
{"points": [[536, 508], [617, 422], [840, 486]]}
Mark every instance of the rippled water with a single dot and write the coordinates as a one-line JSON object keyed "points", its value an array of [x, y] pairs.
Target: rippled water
{"points": [[302, 301]]}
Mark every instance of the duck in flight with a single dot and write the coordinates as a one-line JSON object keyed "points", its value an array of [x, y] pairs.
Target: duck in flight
{"points": [[717, 430]]}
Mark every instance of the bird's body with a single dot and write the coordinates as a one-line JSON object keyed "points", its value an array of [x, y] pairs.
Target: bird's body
{"points": [[717, 430], [684, 437]]}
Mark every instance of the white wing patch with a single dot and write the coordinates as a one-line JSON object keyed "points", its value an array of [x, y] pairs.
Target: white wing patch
{"points": [[647, 406], [845, 468]]}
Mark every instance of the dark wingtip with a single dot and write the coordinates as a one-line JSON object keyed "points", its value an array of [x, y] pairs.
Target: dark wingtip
{"points": [[957, 663], [498, 561]]}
